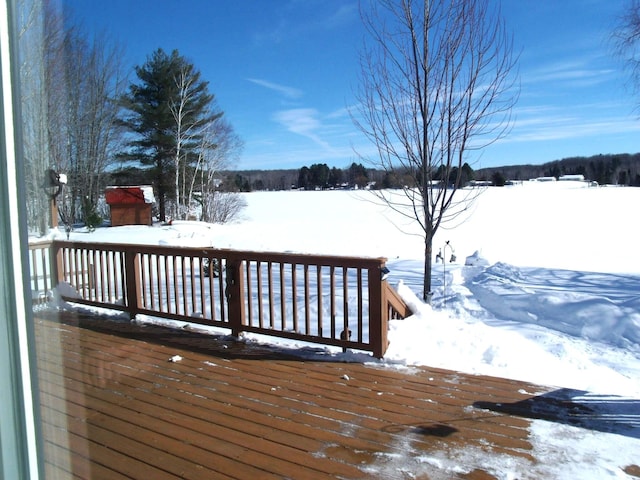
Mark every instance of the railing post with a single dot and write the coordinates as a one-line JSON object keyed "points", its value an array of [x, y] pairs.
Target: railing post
{"points": [[378, 321], [56, 265], [133, 282], [235, 295]]}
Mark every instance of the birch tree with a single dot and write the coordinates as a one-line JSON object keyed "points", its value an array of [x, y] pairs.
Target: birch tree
{"points": [[437, 86], [193, 119]]}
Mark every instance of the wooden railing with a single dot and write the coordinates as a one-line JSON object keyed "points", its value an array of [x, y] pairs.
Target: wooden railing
{"points": [[331, 300]]}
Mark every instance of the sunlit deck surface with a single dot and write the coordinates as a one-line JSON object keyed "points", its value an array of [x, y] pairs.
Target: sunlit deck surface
{"points": [[115, 407]]}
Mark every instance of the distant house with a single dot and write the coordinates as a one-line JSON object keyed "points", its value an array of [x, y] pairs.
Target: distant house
{"points": [[571, 178], [545, 179], [480, 183]]}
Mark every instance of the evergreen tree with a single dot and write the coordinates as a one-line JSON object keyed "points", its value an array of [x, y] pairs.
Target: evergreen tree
{"points": [[357, 175], [335, 177], [467, 174], [168, 110], [319, 175], [498, 179], [304, 178]]}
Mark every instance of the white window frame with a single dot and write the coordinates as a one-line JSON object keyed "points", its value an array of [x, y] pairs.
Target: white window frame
{"points": [[20, 441]]}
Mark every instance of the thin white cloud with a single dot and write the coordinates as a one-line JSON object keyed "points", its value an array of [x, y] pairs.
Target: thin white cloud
{"points": [[340, 113], [302, 121], [288, 92], [587, 71], [300, 19], [583, 77], [564, 127], [344, 15]]}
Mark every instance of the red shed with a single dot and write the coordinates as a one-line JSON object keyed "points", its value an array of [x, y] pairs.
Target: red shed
{"points": [[130, 205]]}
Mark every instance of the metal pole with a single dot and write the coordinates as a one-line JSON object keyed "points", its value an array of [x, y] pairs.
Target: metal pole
{"points": [[444, 270]]}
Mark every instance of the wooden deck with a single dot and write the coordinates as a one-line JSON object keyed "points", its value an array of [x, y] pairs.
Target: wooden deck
{"points": [[115, 407]]}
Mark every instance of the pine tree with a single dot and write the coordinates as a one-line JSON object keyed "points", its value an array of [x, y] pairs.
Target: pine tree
{"points": [[168, 111]]}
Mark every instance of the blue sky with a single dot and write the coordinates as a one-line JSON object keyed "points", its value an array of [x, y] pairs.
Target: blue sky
{"points": [[285, 72]]}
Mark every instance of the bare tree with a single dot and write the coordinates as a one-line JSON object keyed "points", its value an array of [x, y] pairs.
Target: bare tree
{"points": [[191, 125], [437, 84], [220, 147], [32, 36], [67, 90], [627, 39], [84, 76]]}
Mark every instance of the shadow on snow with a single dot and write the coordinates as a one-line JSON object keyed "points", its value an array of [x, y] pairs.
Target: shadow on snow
{"points": [[603, 413]]}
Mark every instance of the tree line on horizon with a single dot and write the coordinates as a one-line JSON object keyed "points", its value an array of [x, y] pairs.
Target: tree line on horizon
{"points": [[320, 176], [606, 169], [611, 169]]}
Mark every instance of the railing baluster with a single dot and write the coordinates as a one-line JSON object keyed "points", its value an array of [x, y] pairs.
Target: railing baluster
{"points": [[192, 284], [123, 277], [319, 293], [203, 303], [221, 289], [294, 296], [359, 292], [249, 295], [73, 274], [170, 306], [183, 276], [82, 269], [154, 289], [259, 279], [332, 282], [160, 281], [272, 312], [212, 289], [344, 334], [283, 312], [100, 275], [35, 282], [86, 277], [146, 280], [110, 272], [47, 273], [76, 260], [91, 272]]}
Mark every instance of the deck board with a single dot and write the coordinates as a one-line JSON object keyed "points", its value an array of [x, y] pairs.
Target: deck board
{"points": [[115, 407]]}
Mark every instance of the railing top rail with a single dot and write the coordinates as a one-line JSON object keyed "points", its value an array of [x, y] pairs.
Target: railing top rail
{"points": [[275, 257], [35, 243]]}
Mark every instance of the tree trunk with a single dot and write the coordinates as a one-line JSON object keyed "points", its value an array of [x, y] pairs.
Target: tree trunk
{"points": [[161, 206], [428, 251]]}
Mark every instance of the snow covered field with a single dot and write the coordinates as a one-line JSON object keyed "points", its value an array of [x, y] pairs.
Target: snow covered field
{"points": [[557, 301]]}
